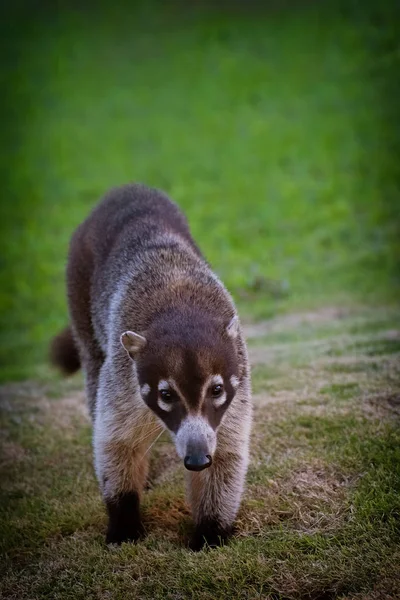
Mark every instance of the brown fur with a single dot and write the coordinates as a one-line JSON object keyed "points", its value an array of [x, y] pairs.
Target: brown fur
{"points": [[134, 267]]}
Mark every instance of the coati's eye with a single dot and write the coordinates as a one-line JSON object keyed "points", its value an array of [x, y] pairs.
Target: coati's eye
{"points": [[166, 395], [217, 390]]}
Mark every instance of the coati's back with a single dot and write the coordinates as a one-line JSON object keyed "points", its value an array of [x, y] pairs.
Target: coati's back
{"points": [[130, 220], [136, 244]]}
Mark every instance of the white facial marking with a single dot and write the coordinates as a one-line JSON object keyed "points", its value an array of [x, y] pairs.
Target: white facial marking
{"points": [[164, 405], [145, 390], [217, 380], [195, 431], [220, 400], [163, 385], [234, 382]]}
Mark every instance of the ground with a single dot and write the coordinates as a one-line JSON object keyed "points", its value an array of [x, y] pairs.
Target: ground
{"points": [[274, 125], [320, 517]]}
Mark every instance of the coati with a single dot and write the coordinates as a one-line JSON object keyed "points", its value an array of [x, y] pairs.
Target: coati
{"points": [[161, 347]]}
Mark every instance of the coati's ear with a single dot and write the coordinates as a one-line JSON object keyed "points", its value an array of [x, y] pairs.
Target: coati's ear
{"points": [[232, 329], [132, 342]]}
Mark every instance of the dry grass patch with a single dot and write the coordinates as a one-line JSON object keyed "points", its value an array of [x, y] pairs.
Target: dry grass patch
{"points": [[11, 453], [293, 321], [312, 497], [383, 405], [166, 516]]}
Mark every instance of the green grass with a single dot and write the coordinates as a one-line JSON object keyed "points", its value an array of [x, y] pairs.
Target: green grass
{"points": [[273, 129]]}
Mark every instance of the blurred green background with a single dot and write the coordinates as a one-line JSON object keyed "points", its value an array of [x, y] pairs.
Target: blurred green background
{"points": [[273, 125]]}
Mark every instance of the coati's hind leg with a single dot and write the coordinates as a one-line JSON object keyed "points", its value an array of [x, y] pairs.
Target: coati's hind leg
{"points": [[79, 278], [216, 492], [92, 361]]}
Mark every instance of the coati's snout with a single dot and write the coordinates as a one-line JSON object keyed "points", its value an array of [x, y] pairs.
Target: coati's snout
{"points": [[195, 443]]}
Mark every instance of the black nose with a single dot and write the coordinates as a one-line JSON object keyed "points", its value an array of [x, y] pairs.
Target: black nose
{"points": [[197, 462]]}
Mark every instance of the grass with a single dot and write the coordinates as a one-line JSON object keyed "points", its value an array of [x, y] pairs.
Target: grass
{"points": [[273, 129], [276, 131], [320, 517]]}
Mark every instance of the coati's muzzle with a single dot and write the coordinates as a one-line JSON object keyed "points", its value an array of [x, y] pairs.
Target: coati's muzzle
{"points": [[195, 443], [197, 461]]}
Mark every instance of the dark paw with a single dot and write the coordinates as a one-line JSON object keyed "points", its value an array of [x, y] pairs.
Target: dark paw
{"points": [[209, 534], [124, 522], [119, 535]]}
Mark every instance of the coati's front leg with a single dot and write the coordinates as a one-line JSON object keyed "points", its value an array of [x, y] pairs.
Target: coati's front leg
{"points": [[216, 492], [122, 471], [124, 520], [121, 461]]}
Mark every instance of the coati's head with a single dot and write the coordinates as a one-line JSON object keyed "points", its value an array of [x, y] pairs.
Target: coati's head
{"points": [[188, 374]]}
